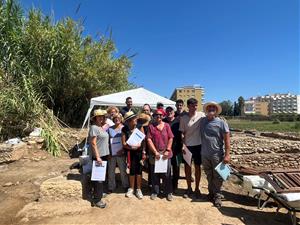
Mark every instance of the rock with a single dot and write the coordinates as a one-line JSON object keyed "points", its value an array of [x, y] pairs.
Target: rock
{"points": [[40, 140], [37, 183], [10, 153], [25, 220], [31, 142], [59, 188], [53, 173], [8, 184], [36, 159], [3, 167]]}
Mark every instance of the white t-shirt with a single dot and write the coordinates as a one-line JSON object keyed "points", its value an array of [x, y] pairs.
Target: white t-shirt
{"points": [[190, 127]]}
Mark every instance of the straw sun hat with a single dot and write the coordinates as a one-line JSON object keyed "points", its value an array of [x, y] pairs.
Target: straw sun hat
{"points": [[129, 115], [99, 112], [219, 108], [144, 119]]}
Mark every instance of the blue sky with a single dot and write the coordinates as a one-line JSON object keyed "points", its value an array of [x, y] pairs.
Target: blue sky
{"points": [[230, 47]]}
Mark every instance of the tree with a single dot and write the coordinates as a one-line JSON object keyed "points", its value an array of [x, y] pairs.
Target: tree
{"points": [[227, 108], [241, 105], [235, 109]]}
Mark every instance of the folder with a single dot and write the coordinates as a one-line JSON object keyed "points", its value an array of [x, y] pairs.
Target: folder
{"points": [[223, 170]]}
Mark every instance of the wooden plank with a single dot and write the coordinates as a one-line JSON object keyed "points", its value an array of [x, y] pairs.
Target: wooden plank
{"points": [[281, 183], [295, 177], [280, 178], [289, 180]]}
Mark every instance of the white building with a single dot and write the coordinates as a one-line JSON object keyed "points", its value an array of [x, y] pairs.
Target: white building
{"points": [[283, 103], [273, 104]]}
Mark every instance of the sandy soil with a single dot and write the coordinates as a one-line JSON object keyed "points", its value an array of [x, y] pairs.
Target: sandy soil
{"points": [[28, 174]]}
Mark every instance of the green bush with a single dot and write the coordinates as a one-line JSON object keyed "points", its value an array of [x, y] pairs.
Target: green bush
{"points": [[48, 70], [297, 126], [276, 121]]}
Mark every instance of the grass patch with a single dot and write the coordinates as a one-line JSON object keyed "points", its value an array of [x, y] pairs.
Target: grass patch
{"points": [[264, 125]]}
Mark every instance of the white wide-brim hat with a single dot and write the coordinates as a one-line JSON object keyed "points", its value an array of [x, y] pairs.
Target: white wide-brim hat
{"points": [[219, 108]]}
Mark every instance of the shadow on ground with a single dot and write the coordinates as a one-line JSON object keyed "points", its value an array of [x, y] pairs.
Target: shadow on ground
{"points": [[249, 217]]}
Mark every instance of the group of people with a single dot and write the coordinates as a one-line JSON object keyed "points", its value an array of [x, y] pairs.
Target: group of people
{"points": [[169, 133]]}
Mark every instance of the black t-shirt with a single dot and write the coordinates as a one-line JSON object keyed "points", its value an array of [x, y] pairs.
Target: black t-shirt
{"points": [[177, 140], [180, 114], [125, 109], [128, 132]]}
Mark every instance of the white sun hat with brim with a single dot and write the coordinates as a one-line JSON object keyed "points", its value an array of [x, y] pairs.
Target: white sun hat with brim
{"points": [[219, 108], [99, 112]]}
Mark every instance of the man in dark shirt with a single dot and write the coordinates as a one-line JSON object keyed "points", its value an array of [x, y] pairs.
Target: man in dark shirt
{"points": [[176, 146], [128, 106]]}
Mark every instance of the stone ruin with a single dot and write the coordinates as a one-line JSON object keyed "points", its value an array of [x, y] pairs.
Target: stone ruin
{"points": [[264, 152]]}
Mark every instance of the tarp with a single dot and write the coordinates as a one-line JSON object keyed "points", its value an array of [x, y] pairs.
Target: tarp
{"points": [[139, 96]]}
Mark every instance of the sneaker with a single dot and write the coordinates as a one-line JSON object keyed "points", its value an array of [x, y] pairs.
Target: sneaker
{"points": [[218, 203], [170, 197], [129, 193], [139, 194], [100, 204], [188, 193], [198, 194], [104, 195], [153, 196]]}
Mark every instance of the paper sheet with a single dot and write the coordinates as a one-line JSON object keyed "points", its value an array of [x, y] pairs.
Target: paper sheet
{"points": [[187, 156], [161, 165], [223, 170], [116, 145], [99, 172], [136, 138]]}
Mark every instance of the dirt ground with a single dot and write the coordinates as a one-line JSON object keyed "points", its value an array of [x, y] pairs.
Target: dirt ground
{"points": [[20, 192]]}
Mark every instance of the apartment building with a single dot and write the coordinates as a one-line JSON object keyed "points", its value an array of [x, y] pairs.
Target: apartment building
{"points": [[253, 107], [186, 92], [273, 104]]}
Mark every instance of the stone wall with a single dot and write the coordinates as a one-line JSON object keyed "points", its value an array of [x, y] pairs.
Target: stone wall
{"points": [[264, 152]]}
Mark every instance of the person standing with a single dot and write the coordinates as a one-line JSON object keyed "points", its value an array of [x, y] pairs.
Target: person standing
{"points": [[134, 156], [118, 159], [98, 151], [189, 126], [214, 133], [176, 145], [128, 107], [160, 138]]}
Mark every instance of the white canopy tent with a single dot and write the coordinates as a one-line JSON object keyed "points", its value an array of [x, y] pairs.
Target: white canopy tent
{"points": [[139, 96]]}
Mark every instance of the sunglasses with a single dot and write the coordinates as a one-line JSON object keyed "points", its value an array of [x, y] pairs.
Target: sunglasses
{"points": [[158, 115]]}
